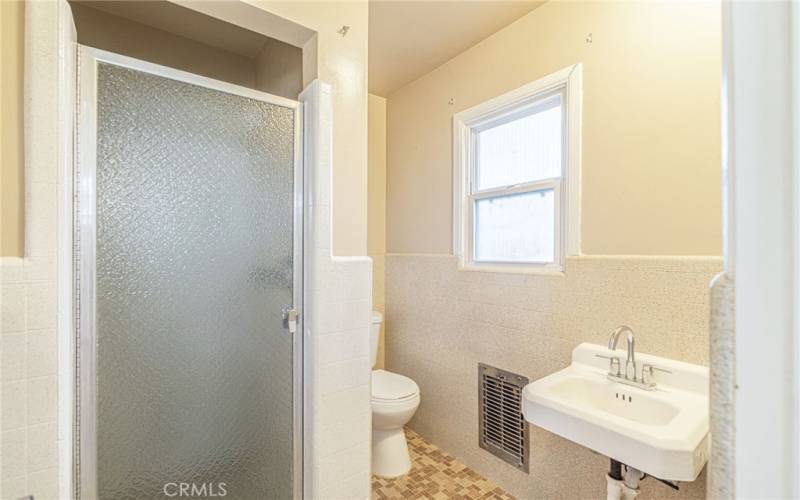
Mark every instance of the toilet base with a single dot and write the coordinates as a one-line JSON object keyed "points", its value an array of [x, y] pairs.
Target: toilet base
{"points": [[390, 456]]}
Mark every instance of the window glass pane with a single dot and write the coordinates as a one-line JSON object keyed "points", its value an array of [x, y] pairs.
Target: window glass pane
{"points": [[516, 228], [523, 150]]}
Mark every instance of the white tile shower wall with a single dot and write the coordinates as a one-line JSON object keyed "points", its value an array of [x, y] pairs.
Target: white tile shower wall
{"points": [[442, 322], [29, 437], [338, 302]]}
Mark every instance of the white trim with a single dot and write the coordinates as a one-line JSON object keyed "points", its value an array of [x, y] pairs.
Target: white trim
{"points": [[67, 70], [184, 76], [298, 299], [727, 153], [85, 164], [795, 333], [573, 167], [308, 99], [760, 43], [506, 107], [676, 258]]}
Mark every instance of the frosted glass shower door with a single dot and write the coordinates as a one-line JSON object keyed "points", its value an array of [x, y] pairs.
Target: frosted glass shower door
{"points": [[187, 255]]}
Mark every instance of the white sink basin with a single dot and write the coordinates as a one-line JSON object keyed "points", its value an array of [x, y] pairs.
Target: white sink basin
{"points": [[662, 432]]}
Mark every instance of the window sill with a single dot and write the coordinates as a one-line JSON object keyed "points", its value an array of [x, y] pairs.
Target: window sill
{"points": [[513, 269]]}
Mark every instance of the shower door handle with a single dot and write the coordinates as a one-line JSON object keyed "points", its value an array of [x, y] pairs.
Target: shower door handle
{"points": [[290, 319]]}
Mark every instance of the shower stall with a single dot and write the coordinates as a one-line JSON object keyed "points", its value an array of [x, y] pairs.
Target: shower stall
{"points": [[188, 283]]}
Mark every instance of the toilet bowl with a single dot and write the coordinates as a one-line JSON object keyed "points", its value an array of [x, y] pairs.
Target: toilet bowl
{"points": [[395, 398]]}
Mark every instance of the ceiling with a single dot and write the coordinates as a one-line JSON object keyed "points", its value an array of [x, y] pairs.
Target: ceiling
{"points": [[407, 39]]}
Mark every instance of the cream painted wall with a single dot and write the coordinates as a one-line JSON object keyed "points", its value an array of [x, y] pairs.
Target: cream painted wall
{"points": [[341, 61], [651, 181], [376, 154], [12, 188], [376, 207]]}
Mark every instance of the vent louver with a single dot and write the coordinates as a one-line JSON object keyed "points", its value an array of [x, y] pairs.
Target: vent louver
{"points": [[502, 428]]}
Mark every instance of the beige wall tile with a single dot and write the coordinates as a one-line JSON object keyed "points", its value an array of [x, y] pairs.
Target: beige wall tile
{"points": [[14, 405], [14, 453], [40, 268], [443, 322], [41, 306], [13, 348], [43, 484], [12, 309], [42, 351], [42, 447], [14, 487], [42, 400]]}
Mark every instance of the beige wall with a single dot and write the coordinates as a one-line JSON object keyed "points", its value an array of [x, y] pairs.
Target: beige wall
{"points": [[376, 207], [651, 181], [376, 154], [12, 188], [341, 61]]}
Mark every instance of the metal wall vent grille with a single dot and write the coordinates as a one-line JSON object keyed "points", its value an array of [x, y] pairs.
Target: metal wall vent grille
{"points": [[502, 428]]}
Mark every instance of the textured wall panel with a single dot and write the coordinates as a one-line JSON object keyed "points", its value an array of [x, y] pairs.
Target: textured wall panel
{"points": [[442, 322]]}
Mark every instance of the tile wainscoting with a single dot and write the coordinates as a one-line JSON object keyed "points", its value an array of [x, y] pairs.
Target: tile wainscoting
{"points": [[30, 438], [338, 306], [441, 322]]}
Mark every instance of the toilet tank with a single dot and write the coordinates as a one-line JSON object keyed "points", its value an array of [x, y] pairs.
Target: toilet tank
{"points": [[375, 335]]}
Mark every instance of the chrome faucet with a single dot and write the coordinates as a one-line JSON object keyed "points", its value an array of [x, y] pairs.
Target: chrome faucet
{"points": [[646, 381], [630, 365]]}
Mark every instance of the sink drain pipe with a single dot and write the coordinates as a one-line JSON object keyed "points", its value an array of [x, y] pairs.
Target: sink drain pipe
{"points": [[630, 486], [614, 478], [623, 481]]}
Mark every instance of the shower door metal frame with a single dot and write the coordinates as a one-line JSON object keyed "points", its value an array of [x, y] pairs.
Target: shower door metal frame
{"points": [[85, 168]]}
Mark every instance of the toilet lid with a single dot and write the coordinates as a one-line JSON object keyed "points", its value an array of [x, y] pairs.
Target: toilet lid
{"points": [[388, 385]]}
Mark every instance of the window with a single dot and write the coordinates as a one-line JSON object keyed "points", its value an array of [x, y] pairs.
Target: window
{"points": [[516, 177]]}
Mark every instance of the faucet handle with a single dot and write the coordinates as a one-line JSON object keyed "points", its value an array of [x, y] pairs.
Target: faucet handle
{"points": [[613, 362], [648, 371], [652, 368]]}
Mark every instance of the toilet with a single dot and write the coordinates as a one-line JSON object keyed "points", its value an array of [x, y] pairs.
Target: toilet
{"points": [[395, 398]]}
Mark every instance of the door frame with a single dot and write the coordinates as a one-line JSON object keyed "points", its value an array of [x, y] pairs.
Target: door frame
{"points": [[83, 251], [761, 171]]}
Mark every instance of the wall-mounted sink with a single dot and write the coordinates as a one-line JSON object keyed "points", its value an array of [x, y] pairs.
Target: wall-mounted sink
{"points": [[663, 432]]}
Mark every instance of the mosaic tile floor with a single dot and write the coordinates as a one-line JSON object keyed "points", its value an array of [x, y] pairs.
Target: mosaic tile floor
{"points": [[435, 475]]}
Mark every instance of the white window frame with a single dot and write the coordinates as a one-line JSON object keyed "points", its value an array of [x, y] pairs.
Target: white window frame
{"points": [[507, 107]]}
